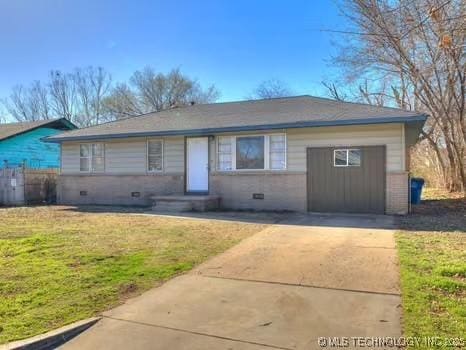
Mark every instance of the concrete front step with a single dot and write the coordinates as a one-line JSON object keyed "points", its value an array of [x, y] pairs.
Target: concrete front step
{"points": [[182, 203]]}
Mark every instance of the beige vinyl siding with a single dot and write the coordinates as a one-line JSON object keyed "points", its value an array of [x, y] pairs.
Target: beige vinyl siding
{"points": [[127, 156], [70, 157], [173, 157], [298, 140], [389, 135]]}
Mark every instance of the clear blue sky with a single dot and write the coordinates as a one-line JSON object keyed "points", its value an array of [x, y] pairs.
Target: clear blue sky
{"points": [[233, 44]]}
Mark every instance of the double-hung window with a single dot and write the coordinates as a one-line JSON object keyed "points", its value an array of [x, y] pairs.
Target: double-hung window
{"points": [[251, 152], [277, 152], [225, 153], [154, 155], [91, 157]]}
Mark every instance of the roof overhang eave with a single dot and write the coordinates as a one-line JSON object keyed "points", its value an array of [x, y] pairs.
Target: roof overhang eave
{"points": [[421, 118]]}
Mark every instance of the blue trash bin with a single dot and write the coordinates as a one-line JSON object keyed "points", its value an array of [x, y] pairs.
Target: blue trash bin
{"points": [[416, 190]]}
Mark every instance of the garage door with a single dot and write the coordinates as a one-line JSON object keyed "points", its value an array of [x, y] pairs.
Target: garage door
{"points": [[346, 179]]}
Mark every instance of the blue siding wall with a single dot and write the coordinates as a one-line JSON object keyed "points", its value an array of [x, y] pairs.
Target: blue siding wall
{"points": [[29, 147]]}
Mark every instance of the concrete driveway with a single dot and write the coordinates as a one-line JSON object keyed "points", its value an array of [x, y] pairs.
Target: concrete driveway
{"points": [[283, 288]]}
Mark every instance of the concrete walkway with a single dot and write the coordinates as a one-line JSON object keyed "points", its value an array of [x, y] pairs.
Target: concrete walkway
{"points": [[283, 288]]}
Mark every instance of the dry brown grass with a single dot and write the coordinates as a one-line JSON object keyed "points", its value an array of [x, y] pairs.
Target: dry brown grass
{"points": [[59, 264]]}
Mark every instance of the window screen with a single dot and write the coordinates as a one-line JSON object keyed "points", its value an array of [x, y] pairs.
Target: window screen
{"points": [[154, 155], [277, 152]]}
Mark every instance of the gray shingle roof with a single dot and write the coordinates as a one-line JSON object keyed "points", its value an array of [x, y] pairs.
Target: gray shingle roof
{"points": [[202, 119], [11, 129]]}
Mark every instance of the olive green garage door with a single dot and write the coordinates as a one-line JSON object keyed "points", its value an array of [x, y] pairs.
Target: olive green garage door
{"points": [[346, 179]]}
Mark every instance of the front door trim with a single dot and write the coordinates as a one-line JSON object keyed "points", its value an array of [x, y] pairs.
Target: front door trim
{"points": [[186, 167]]}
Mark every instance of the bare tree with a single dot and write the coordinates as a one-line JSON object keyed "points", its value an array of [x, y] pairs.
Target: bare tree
{"points": [[379, 94], [17, 104], [86, 95], [271, 88], [150, 91], [158, 91], [416, 48], [92, 86], [39, 97], [334, 92], [122, 102], [3, 114], [62, 94], [28, 103], [76, 96]]}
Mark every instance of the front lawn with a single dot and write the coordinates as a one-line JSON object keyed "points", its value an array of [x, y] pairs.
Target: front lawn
{"points": [[432, 250], [59, 265]]}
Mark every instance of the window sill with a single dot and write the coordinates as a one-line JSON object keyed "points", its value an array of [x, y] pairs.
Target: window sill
{"points": [[250, 172]]}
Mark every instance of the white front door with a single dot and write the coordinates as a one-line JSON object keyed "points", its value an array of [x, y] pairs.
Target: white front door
{"points": [[197, 164]]}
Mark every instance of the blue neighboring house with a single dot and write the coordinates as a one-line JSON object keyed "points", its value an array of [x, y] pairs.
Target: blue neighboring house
{"points": [[21, 143]]}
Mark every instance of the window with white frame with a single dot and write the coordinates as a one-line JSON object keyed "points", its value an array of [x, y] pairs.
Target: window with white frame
{"points": [[154, 155], [91, 157], [225, 157], [346, 157], [278, 152], [251, 152]]}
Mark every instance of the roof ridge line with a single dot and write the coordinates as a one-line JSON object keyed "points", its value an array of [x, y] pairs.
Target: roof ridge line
{"points": [[187, 106], [246, 101]]}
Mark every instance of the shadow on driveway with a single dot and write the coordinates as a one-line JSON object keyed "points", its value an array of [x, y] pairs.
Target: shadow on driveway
{"points": [[261, 217]]}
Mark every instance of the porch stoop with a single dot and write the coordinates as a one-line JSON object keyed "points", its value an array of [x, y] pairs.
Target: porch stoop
{"points": [[180, 203]]}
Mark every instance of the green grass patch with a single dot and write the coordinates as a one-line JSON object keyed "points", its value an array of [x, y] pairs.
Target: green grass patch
{"points": [[432, 251], [433, 279], [59, 266]]}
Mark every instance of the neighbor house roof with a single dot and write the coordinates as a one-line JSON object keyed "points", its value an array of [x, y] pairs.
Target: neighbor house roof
{"points": [[278, 113], [13, 129]]}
